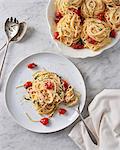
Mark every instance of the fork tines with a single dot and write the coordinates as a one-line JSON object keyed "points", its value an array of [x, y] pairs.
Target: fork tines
{"points": [[11, 19]]}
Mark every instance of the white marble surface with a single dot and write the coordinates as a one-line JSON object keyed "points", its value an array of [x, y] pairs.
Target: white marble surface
{"points": [[100, 72]]}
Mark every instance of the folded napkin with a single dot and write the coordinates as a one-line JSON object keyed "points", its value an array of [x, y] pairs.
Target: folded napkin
{"points": [[104, 121]]}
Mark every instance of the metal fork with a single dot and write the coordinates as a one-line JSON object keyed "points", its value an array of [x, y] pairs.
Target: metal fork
{"points": [[11, 30], [92, 136]]}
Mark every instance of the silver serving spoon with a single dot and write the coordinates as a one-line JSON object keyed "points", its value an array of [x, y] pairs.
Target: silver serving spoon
{"points": [[21, 32], [11, 29], [92, 136]]}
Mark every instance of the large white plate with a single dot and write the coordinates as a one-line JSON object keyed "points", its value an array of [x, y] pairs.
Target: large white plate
{"points": [[14, 97], [83, 53]]}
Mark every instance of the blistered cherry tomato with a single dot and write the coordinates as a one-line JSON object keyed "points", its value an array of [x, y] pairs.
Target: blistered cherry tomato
{"points": [[58, 14], [62, 111], [27, 84], [77, 11], [77, 46], [91, 40], [44, 121], [101, 16], [56, 35], [113, 33], [32, 65], [65, 84], [49, 85]]}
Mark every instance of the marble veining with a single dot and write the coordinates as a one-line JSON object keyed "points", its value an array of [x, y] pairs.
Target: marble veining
{"points": [[99, 72]]}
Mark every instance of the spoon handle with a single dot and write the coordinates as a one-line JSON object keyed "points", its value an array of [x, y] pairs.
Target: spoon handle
{"points": [[93, 138], [3, 46], [4, 59]]}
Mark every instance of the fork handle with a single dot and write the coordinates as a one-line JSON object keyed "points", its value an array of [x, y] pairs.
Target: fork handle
{"points": [[92, 136], [3, 46], [6, 50]]}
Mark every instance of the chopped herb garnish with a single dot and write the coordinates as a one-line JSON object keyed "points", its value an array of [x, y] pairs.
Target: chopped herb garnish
{"points": [[36, 77], [100, 29], [108, 28], [81, 41], [67, 4]]}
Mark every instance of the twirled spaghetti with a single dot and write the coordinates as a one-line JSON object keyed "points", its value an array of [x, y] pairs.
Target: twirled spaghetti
{"points": [[86, 23], [69, 28], [96, 30], [63, 6], [48, 90], [91, 8], [111, 3], [113, 18]]}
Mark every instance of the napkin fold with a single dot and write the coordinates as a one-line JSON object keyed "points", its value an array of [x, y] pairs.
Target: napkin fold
{"points": [[103, 120]]}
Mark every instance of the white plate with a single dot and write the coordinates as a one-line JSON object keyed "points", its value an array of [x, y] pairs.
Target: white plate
{"points": [[16, 104], [83, 53]]}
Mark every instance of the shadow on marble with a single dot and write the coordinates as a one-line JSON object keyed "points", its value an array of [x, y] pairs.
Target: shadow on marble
{"points": [[29, 33]]}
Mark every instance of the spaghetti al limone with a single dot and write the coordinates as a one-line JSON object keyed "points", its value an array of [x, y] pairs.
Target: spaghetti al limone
{"points": [[48, 90], [95, 33], [111, 3], [64, 6], [69, 29], [91, 8], [113, 18], [86, 23]]}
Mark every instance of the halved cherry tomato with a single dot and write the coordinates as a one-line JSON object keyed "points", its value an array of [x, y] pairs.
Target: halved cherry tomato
{"points": [[91, 40], [113, 33], [65, 84], [32, 65], [44, 121], [56, 35], [77, 46], [62, 111], [49, 85], [77, 11], [101, 16], [58, 16], [27, 84]]}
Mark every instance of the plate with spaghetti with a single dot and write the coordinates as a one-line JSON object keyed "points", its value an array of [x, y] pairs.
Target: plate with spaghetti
{"points": [[43, 92], [84, 28]]}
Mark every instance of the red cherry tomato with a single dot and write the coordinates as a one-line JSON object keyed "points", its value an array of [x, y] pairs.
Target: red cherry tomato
{"points": [[27, 84], [65, 84], [44, 121], [32, 65], [77, 46], [91, 41], [49, 85], [113, 33], [77, 11], [101, 16], [62, 111], [58, 14], [56, 35]]}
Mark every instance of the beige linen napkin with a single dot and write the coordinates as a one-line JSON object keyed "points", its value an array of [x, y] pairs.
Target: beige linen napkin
{"points": [[104, 121]]}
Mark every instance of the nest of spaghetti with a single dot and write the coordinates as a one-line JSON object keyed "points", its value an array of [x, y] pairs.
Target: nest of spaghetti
{"points": [[95, 33], [82, 23], [48, 91]]}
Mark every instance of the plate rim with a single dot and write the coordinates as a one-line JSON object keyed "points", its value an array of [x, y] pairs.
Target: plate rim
{"points": [[10, 74], [65, 52]]}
